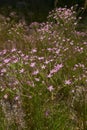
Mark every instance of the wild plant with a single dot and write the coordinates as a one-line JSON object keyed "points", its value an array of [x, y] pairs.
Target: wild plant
{"points": [[46, 82]]}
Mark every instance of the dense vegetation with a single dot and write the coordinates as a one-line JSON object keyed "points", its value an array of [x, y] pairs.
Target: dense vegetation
{"points": [[30, 8], [43, 73]]}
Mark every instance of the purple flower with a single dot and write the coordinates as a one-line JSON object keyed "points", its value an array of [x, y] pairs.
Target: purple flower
{"points": [[15, 60], [34, 50], [32, 64], [13, 50], [56, 68], [47, 112], [49, 75], [50, 88], [35, 72], [67, 82], [6, 60], [4, 52], [3, 70], [22, 70]]}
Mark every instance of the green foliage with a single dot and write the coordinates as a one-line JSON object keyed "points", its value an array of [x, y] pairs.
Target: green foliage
{"points": [[43, 74]]}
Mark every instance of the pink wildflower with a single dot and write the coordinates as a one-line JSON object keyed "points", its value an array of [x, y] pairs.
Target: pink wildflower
{"points": [[22, 70], [13, 50], [35, 72], [3, 70], [67, 82], [6, 60], [50, 88], [32, 64]]}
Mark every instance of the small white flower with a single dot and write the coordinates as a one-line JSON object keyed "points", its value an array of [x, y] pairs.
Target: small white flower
{"points": [[5, 96]]}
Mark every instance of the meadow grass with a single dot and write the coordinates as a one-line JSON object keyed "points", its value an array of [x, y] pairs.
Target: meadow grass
{"points": [[43, 74]]}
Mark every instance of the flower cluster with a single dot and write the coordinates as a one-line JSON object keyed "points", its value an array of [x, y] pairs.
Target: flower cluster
{"points": [[52, 68]]}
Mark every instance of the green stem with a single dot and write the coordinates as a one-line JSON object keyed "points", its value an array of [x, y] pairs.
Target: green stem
{"points": [[84, 111]]}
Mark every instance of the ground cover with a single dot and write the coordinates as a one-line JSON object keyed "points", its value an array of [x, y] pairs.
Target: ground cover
{"points": [[43, 74]]}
